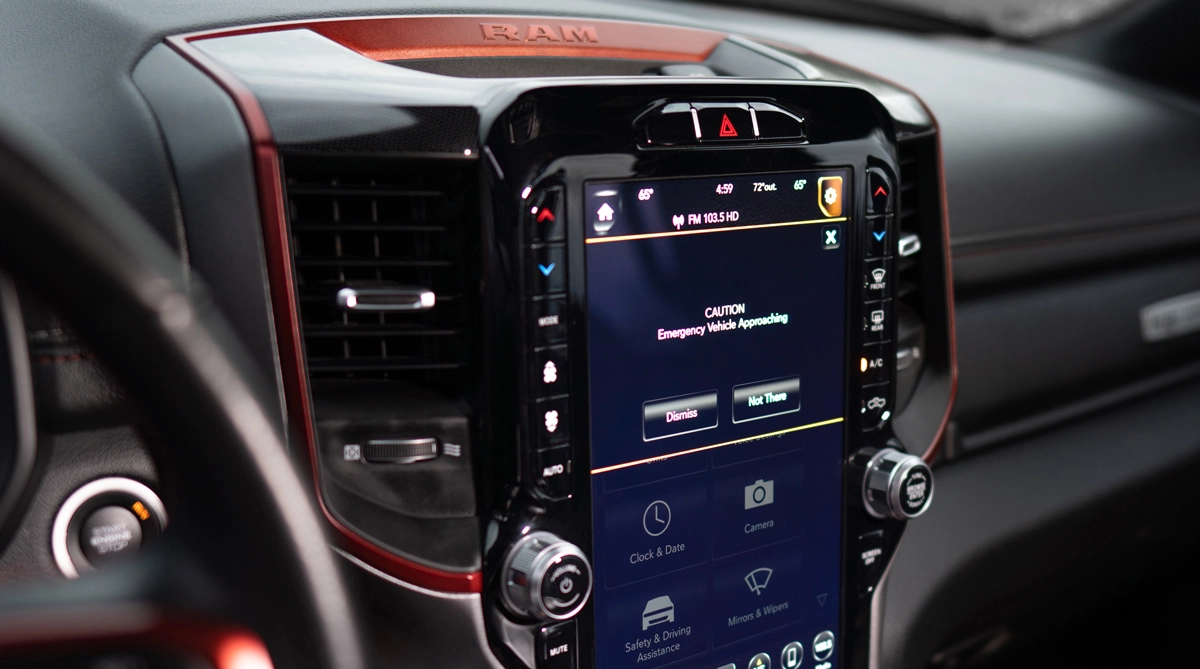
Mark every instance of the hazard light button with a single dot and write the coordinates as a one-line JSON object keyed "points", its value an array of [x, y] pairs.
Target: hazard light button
{"points": [[725, 122]]}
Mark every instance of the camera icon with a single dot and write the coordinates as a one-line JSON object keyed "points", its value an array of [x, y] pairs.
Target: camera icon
{"points": [[760, 493]]}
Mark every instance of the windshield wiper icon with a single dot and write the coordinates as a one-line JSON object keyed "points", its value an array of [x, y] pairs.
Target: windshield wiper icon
{"points": [[757, 579]]}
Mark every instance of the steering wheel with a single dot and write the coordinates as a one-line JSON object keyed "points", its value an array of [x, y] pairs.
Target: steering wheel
{"points": [[245, 570]]}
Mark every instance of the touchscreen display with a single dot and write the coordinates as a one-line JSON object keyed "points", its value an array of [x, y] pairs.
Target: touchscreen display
{"points": [[717, 358]]}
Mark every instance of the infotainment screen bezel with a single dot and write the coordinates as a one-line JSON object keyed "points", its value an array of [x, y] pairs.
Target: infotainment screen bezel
{"points": [[588, 133]]}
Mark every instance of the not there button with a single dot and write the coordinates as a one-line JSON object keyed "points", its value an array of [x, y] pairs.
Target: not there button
{"points": [[752, 401]]}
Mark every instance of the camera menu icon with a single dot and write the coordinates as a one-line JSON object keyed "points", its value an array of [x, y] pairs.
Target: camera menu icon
{"points": [[760, 493]]}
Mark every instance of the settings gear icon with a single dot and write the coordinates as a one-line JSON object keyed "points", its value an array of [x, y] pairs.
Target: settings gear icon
{"points": [[831, 195]]}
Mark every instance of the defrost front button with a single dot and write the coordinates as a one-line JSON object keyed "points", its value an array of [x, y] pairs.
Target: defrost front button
{"points": [[877, 279]]}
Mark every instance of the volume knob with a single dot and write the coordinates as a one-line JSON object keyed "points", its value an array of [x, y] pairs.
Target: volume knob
{"points": [[897, 485], [546, 577]]}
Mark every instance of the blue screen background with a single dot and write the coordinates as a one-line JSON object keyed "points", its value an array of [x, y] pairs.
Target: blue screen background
{"points": [[675, 541]]}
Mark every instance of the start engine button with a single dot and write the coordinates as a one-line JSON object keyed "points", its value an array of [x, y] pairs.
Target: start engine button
{"points": [[109, 534]]}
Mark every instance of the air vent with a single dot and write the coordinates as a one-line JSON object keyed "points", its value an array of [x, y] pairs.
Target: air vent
{"points": [[920, 337], [385, 225]]}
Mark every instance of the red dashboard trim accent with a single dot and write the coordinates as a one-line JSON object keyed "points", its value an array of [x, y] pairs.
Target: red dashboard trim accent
{"points": [[123, 627], [277, 247], [385, 38]]}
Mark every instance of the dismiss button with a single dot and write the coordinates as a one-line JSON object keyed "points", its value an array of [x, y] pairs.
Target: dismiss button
{"points": [[673, 416], [752, 401]]}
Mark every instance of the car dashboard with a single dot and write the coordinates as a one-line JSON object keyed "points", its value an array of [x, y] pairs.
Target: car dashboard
{"points": [[609, 336]]}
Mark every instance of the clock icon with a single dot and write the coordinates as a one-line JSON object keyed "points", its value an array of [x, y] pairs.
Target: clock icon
{"points": [[657, 518]]}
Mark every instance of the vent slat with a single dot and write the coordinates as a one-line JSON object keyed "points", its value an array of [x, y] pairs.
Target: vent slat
{"points": [[401, 220]]}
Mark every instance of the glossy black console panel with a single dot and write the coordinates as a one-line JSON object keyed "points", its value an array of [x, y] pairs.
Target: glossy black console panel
{"points": [[519, 147], [589, 134]]}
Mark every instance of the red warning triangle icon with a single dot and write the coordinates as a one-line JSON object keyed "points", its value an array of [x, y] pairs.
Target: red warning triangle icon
{"points": [[727, 129]]}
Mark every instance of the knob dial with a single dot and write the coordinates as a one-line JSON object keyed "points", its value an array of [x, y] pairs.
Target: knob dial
{"points": [[546, 577], [897, 485]]}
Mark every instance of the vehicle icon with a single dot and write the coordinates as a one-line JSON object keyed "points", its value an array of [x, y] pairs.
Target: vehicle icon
{"points": [[658, 610]]}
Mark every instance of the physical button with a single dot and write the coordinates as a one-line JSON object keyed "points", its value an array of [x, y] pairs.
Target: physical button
{"points": [[673, 125], [870, 560], [876, 406], [110, 534], [549, 421], [881, 197], [877, 279], [877, 318], [823, 646], [725, 123], [549, 321], [876, 363], [792, 656], [549, 373], [549, 271], [546, 220], [879, 236], [775, 123], [556, 646], [553, 475]]}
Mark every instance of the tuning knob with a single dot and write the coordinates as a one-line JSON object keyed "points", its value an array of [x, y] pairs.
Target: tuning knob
{"points": [[546, 577], [897, 485]]}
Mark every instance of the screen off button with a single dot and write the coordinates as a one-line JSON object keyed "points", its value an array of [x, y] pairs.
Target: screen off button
{"points": [[752, 401], [673, 416]]}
